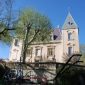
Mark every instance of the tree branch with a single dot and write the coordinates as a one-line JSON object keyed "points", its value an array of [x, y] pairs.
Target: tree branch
{"points": [[36, 32], [66, 64], [26, 44], [2, 32], [71, 66], [31, 40]]}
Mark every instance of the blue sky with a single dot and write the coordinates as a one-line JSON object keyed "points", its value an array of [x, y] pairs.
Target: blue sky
{"points": [[57, 11]]}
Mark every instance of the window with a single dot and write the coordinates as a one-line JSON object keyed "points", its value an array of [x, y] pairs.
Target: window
{"points": [[29, 52], [50, 51], [38, 52], [69, 36], [70, 23], [55, 37], [69, 50], [16, 43]]}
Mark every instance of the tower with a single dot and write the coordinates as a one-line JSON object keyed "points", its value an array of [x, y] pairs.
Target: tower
{"points": [[70, 36]]}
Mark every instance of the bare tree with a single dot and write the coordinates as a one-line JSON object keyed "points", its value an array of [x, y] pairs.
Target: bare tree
{"points": [[64, 69], [74, 59], [6, 20]]}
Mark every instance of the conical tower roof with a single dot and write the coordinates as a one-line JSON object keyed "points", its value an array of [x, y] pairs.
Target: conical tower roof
{"points": [[69, 22]]}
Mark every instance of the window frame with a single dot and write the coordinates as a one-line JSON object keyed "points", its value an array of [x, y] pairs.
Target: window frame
{"points": [[29, 53], [69, 50], [38, 53], [69, 36], [50, 51], [16, 42]]}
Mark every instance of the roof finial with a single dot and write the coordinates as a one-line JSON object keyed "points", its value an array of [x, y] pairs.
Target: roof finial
{"points": [[69, 9]]}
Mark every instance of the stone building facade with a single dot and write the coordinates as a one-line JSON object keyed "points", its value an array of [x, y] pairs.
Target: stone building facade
{"points": [[63, 42]]}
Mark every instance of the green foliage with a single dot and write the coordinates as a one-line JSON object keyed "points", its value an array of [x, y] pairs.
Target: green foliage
{"points": [[5, 35], [82, 50], [2, 71], [37, 22]]}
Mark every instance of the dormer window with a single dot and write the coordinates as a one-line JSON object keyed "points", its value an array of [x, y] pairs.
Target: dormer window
{"points": [[70, 23], [55, 37]]}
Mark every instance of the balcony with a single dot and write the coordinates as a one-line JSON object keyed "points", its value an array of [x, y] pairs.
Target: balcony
{"points": [[51, 58], [38, 58]]}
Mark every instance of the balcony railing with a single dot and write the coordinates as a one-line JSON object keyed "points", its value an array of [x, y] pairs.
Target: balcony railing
{"points": [[38, 58], [51, 58]]}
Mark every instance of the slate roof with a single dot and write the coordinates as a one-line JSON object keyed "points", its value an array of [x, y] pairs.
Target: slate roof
{"points": [[57, 34]]}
